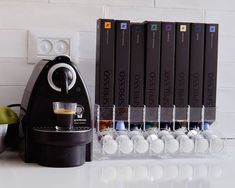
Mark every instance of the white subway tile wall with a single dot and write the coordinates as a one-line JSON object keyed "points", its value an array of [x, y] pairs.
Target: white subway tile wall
{"points": [[163, 14], [17, 17], [224, 18], [20, 1], [13, 43], [131, 3], [226, 50], [50, 16], [87, 45], [11, 94], [15, 74], [206, 4]]}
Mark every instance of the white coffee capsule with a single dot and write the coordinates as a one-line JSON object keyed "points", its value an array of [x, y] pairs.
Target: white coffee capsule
{"points": [[157, 146], [106, 137], [140, 144], [192, 133], [125, 145], [168, 136], [201, 144], [122, 137], [109, 144], [151, 137], [186, 144], [171, 144], [163, 133], [134, 133], [177, 133]]}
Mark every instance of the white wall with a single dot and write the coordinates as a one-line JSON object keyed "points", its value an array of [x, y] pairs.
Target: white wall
{"points": [[19, 17]]}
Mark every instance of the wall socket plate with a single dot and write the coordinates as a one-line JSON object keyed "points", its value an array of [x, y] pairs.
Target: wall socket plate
{"points": [[47, 44]]}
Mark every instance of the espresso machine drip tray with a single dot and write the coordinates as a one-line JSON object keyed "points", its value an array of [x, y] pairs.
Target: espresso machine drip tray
{"points": [[53, 129], [50, 136], [58, 148]]}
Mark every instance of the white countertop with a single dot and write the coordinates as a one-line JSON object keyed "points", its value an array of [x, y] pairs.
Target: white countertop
{"points": [[210, 172]]}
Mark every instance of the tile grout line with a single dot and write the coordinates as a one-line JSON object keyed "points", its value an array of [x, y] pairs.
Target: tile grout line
{"points": [[154, 3], [204, 14], [103, 11]]}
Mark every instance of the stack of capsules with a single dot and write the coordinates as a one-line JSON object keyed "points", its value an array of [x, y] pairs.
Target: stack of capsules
{"points": [[155, 88], [157, 143]]}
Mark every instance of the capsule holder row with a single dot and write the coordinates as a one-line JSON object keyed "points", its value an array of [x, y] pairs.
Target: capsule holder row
{"points": [[140, 132], [161, 117], [116, 144]]}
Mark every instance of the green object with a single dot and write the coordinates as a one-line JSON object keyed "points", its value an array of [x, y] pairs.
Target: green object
{"points": [[8, 116], [148, 125]]}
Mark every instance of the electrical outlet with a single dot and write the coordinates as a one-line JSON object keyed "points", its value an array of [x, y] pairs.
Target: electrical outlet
{"points": [[53, 47], [44, 44]]}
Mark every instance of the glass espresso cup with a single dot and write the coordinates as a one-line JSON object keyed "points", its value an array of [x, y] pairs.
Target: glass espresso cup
{"points": [[64, 115]]}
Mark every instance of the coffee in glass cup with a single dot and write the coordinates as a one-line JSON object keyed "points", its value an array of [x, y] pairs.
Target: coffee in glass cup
{"points": [[64, 115]]}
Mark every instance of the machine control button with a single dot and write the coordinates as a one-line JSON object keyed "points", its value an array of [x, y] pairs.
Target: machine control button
{"points": [[80, 111]]}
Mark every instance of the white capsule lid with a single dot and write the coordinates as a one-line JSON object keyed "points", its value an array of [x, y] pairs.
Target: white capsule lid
{"points": [[137, 137], [152, 137], [133, 133], [186, 145], [182, 136], [126, 146], [178, 133], [163, 132], [171, 145], [157, 146], [110, 146], [201, 145], [122, 137], [192, 133], [198, 136], [167, 137], [107, 137], [141, 146]]}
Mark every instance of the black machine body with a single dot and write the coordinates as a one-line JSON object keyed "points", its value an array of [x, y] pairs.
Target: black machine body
{"points": [[55, 80]]}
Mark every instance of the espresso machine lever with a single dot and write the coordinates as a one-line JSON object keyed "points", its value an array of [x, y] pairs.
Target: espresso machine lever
{"points": [[64, 81]]}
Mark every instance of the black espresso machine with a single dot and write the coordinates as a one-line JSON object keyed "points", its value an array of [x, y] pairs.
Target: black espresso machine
{"points": [[55, 80]]}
